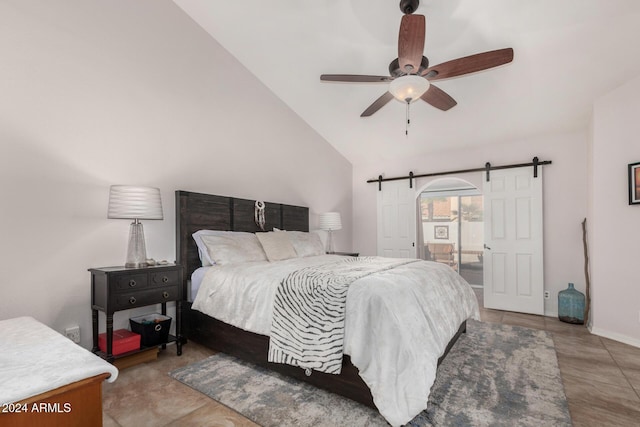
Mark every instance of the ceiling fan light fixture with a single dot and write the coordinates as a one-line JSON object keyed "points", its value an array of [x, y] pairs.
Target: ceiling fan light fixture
{"points": [[408, 88]]}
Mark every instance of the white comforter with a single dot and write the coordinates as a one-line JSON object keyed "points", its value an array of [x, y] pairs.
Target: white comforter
{"points": [[34, 359], [398, 322]]}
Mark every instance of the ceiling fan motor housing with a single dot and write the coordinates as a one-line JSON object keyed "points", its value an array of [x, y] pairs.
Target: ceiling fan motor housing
{"points": [[409, 6], [395, 71]]}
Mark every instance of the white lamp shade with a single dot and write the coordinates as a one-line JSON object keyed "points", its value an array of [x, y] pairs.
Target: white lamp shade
{"points": [[409, 88], [330, 221], [133, 202]]}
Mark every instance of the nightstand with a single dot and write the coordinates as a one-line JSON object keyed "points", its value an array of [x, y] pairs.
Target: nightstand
{"points": [[345, 253], [118, 288]]}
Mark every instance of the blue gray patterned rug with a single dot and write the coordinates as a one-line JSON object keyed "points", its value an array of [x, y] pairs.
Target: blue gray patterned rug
{"points": [[495, 375]]}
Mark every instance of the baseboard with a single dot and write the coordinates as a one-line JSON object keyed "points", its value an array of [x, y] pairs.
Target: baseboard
{"points": [[615, 336]]}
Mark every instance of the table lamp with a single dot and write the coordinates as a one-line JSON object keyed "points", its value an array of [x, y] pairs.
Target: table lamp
{"points": [[330, 221], [133, 202]]}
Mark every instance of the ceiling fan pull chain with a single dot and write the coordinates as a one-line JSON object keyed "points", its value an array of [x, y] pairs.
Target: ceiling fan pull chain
{"points": [[406, 129]]}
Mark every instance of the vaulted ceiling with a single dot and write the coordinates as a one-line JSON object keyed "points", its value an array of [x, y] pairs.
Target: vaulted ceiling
{"points": [[566, 54]]}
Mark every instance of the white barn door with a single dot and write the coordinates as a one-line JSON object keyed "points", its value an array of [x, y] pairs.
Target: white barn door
{"points": [[513, 268], [396, 220]]}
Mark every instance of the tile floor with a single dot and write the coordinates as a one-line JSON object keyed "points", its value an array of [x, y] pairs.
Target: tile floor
{"points": [[601, 379]]}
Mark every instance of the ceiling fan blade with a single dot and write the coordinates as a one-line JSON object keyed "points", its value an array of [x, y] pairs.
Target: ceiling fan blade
{"points": [[411, 42], [354, 78], [377, 104], [438, 98], [469, 64]]}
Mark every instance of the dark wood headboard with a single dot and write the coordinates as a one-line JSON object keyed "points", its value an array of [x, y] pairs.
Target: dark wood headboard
{"points": [[197, 211]]}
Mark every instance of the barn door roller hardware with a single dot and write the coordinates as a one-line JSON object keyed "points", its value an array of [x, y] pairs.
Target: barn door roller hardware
{"points": [[535, 163]]}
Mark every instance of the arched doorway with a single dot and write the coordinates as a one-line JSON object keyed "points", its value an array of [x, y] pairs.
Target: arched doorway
{"points": [[451, 226]]}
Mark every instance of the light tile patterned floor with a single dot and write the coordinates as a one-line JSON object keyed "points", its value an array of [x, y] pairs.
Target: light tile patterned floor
{"points": [[601, 379]]}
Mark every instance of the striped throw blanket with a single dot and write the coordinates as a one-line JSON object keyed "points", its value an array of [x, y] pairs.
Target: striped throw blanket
{"points": [[307, 328]]}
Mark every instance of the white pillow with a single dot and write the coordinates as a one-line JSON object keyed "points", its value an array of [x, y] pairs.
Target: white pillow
{"points": [[202, 249], [277, 246], [306, 244], [226, 247]]}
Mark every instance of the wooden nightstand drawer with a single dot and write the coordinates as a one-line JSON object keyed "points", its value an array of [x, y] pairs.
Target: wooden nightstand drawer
{"points": [[146, 297], [165, 278], [130, 282]]}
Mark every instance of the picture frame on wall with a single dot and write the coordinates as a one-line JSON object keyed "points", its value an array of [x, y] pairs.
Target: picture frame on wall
{"points": [[441, 232], [634, 183]]}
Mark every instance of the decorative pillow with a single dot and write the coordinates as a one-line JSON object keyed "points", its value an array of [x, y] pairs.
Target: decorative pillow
{"points": [[228, 247], [305, 244], [277, 246]]}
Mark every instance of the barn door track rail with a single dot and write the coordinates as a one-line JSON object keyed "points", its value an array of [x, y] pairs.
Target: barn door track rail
{"points": [[487, 168]]}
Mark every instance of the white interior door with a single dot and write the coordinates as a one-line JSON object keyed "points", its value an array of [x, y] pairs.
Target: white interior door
{"points": [[396, 220], [513, 268]]}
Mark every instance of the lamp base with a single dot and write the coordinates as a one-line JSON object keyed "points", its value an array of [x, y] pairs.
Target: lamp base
{"points": [[135, 265], [330, 249], [136, 251]]}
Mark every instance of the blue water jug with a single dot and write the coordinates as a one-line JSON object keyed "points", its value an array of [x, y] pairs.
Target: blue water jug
{"points": [[571, 305]]}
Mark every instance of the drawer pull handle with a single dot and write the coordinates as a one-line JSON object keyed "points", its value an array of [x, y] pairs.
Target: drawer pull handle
{"points": [[165, 279], [158, 327], [132, 300], [132, 283], [165, 294]]}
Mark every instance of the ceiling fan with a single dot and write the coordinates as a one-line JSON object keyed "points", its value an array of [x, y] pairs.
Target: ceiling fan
{"points": [[410, 74]]}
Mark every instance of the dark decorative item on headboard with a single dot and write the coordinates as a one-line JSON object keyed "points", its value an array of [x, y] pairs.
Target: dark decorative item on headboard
{"points": [[634, 183], [259, 214]]}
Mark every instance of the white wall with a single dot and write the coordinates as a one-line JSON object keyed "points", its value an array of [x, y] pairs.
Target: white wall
{"points": [[565, 197], [615, 230], [95, 93]]}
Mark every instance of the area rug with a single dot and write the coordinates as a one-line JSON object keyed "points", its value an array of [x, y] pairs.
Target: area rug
{"points": [[495, 375]]}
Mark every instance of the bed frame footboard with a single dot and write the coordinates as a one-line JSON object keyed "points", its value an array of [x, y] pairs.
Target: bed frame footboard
{"points": [[254, 348]]}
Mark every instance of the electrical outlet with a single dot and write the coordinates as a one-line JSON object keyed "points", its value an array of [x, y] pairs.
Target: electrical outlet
{"points": [[73, 333], [546, 294]]}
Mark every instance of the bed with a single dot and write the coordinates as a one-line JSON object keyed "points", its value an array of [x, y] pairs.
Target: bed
{"points": [[48, 380], [196, 211]]}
